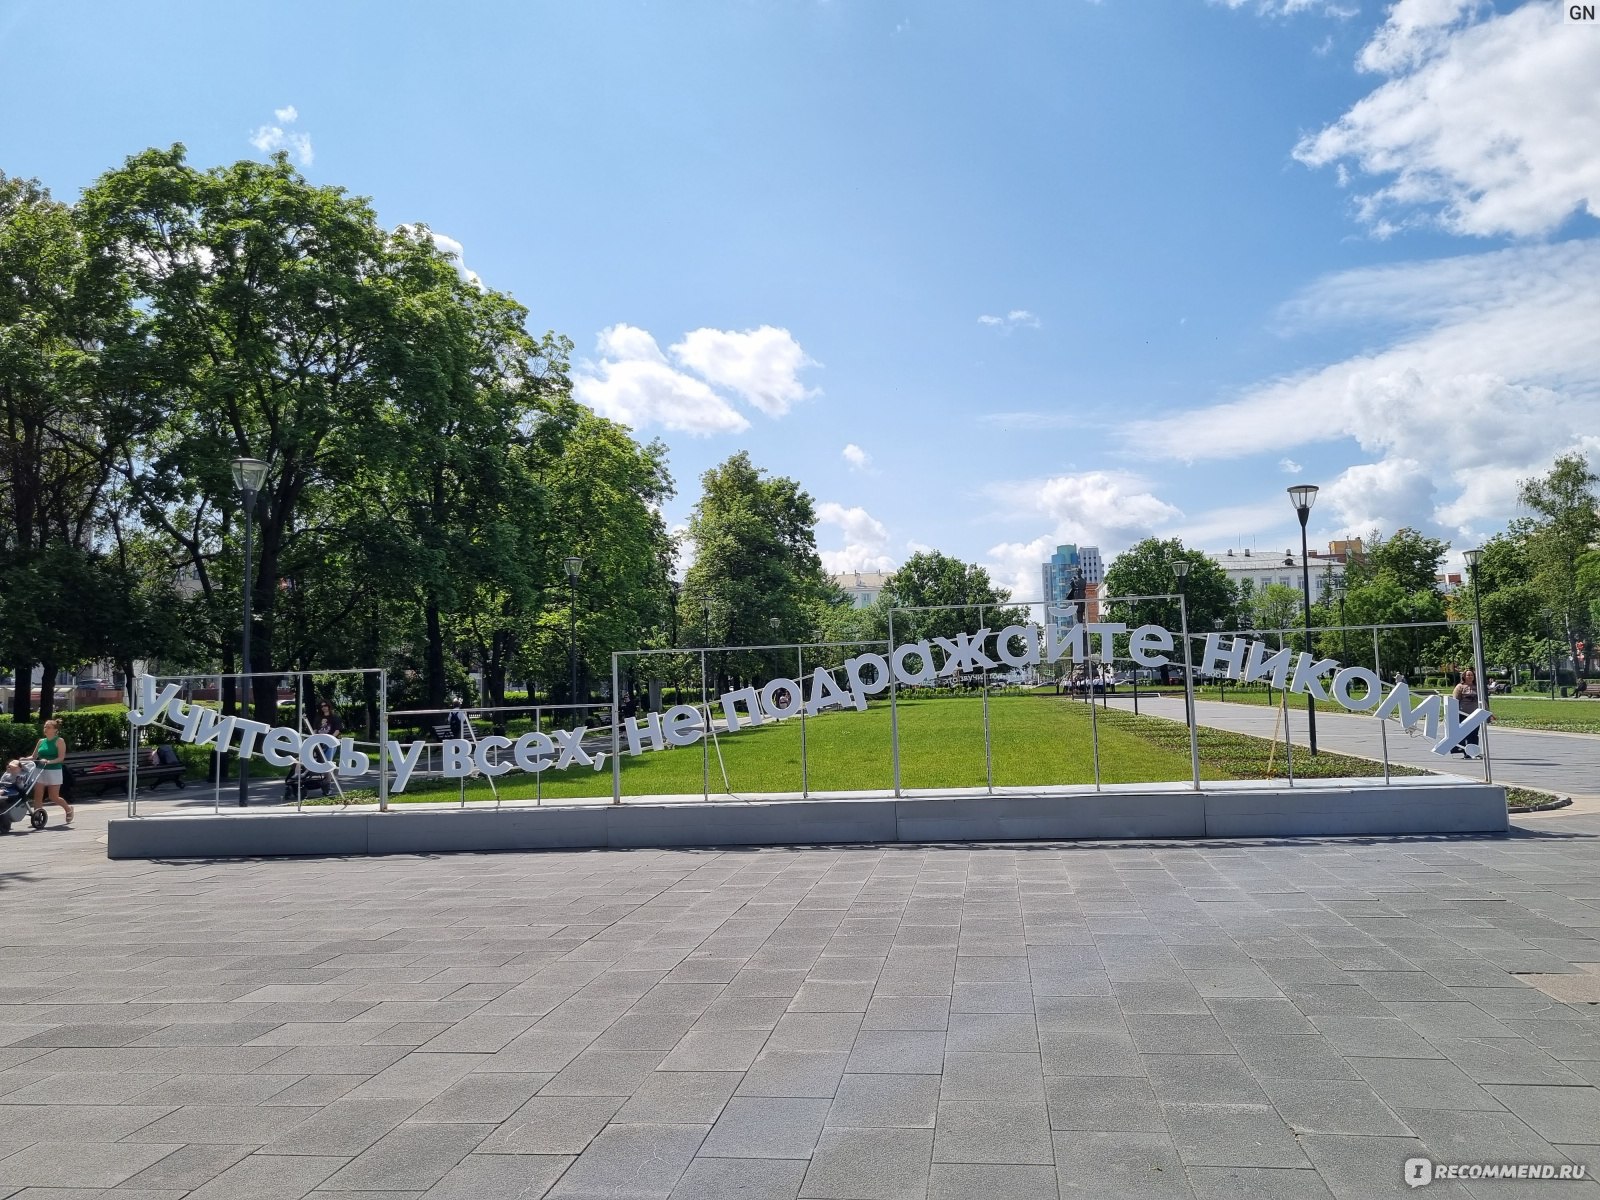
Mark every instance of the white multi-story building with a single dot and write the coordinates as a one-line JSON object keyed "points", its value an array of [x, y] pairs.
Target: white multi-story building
{"points": [[863, 587], [1263, 567]]}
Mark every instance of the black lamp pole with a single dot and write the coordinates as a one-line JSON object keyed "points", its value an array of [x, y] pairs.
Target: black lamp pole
{"points": [[1304, 495], [248, 475]]}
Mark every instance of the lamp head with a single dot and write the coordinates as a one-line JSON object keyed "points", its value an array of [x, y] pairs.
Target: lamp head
{"points": [[574, 566], [1180, 567], [249, 474], [773, 622], [1472, 557], [1303, 495]]}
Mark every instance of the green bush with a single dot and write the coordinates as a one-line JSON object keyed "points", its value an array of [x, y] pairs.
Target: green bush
{"points": [[17, 740], [99, 730]]}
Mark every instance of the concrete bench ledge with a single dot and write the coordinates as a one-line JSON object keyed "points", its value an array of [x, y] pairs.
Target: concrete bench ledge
{"points": [[1328, 808]]}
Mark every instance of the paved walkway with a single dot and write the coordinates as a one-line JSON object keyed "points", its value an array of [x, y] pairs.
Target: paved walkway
{"points": [[1564, 763], [1221, 1019]]}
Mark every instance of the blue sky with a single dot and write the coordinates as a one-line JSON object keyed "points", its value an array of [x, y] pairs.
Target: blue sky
{"points": [[1057, 270]]}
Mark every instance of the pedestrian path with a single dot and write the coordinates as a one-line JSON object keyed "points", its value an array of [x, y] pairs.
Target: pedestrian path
{"points": [[1554, 762]]}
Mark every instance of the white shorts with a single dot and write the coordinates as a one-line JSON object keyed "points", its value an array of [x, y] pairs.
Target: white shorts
{"points": [[50, 777]]}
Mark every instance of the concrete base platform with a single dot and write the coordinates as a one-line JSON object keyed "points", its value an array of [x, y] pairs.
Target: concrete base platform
{"points": [[1326, 808]]}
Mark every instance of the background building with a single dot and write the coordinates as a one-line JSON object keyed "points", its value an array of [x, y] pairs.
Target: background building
{"points": [[1058, 574], [862, 586], [1261, 568]]}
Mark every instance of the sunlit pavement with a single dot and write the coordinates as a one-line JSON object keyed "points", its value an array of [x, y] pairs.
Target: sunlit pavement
{"points": [[1165, 1019]]}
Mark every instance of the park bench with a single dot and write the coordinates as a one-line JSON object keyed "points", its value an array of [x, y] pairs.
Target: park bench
{"points": [[103, 770]]}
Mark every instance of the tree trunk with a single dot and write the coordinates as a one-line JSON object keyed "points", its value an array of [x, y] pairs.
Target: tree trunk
{"points": [[433, 661], [22, 694], [47, 690]]}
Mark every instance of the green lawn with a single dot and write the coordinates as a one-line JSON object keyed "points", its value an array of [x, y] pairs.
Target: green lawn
{"points": [[1035, 740]]}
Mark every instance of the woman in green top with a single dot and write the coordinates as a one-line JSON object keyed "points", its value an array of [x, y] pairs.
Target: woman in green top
{"points": [[50, 754]]}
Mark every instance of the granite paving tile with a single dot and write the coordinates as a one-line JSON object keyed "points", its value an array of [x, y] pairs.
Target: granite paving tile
{"points": [[269, 1177], [1134, 1165], [766, 1127], [1423, 1083], [1557, 1114], [741, 1179], [553, 1125], [989, 1131], [870, 1164], [482, 1176], [632, 1162]]}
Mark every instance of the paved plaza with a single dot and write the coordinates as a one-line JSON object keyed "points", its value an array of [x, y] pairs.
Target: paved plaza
{"points": [[1220, 1019]]}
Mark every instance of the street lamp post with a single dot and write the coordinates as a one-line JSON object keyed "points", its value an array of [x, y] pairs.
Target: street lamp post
{"points": [[248, 475], [1304, 495], [1344, 633], [574, 566]]}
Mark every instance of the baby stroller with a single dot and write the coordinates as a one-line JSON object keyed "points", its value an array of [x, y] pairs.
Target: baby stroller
{"points": [[15, 788], [300, 784]]}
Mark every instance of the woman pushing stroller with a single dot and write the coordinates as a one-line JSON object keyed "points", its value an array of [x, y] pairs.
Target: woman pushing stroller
{"points": [[50, 755]]}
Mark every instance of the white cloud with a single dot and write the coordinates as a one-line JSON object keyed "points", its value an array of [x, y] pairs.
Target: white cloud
{"points": [[1016, 318], [1383, 495], [634, 382], [858, 458], [269, 139], [761, 365], [450, 248], [1108, 509], [1288, 8], [1289, 467], [1041, 420], [1098, 507], [865, 540], [1495, 370], [1484, 127]]}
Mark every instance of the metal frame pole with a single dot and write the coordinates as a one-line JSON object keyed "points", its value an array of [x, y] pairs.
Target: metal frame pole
{"points": [[1483, 694], [383, 739], [1094, 730], [800, 668], [216, 759], [1188, 690], [988, 746], [1383, 726], [133, 770], [894, 712], [705, 733], [616, 730]]}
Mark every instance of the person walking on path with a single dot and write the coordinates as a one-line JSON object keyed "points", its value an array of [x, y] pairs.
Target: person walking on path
{"points": [[1466, 694], [330, 723], [50, 754]]}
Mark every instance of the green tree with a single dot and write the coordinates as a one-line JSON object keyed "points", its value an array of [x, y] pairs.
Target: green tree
{"points": [[1145, 569], [68, 407], [755, 558], [1276, 607], [271, 305], [1562, 528], [1409, 558], [931, 579]]}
